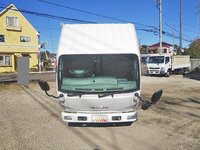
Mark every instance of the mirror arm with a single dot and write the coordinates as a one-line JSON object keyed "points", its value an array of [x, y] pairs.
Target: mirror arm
{"points": [[145, 104], [137, 95], [54, 96]]}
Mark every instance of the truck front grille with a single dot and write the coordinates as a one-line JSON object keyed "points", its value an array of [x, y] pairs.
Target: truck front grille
{"points": [[154, 71], [154, 68]]}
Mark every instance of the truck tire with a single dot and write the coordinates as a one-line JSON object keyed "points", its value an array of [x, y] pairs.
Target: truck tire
{"points": [[182, 71], [168, 73]]}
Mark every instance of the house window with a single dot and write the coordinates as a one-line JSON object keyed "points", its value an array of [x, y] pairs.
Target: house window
{"points": [[11, 21], [25, 39], [150, 51], [5, 60], [2, 38], [155, 51]]}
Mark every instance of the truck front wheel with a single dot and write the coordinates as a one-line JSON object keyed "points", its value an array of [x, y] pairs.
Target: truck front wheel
{"points": [[168, 73]]}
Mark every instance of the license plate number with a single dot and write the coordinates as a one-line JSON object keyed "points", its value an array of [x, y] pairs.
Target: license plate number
{"points": [[99, 118]]}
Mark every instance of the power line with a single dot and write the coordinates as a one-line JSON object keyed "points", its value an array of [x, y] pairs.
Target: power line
{"points": [[177, 21], [184, 28], [52, 16], [154, 30], [47, 28], [83, 11], [178, 31]]}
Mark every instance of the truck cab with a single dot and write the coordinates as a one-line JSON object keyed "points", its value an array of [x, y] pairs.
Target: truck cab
{"points": [[159, 65], [166, 64], [98, 74], [99, 87]]}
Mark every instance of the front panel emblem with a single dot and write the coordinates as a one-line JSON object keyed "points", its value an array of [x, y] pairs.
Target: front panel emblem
{"points": [[99, 107]]}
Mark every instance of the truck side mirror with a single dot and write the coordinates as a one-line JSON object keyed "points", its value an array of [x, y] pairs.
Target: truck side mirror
{"points": [[44, 85], [146, 105], [156, 96]]}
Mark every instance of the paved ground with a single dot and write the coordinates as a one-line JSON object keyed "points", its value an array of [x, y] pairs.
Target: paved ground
{"points": [[29, 119]]}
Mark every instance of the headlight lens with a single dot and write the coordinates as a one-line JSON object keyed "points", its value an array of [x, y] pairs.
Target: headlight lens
{"points": [[162, 69], [68, 109], [129, 109], [64, 106]]}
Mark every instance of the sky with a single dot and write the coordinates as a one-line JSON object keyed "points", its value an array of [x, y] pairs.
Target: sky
{"points": [[144, 14]]}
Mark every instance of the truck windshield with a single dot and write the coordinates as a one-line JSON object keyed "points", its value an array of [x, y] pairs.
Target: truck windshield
{"points": [[101, 73], [156, 59]]}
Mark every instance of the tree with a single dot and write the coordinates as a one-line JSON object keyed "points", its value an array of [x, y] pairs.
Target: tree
{"points": [[194, 49], [143, 49], [43, 55]]}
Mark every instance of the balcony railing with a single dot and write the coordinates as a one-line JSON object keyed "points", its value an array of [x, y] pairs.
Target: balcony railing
{"points": [[10, 27]]}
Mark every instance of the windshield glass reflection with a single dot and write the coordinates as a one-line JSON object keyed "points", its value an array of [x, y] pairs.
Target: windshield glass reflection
{"points": [[98, 73]]}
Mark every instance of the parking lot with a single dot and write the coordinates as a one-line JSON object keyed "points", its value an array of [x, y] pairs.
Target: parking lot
{"points": [[31, 120]]}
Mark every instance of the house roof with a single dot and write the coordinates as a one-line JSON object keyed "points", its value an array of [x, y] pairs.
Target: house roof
{"points": [[164, 44], [12, 5]]}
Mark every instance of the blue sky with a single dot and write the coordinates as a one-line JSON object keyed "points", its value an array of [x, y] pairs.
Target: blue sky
{"points": [[143, 13]]}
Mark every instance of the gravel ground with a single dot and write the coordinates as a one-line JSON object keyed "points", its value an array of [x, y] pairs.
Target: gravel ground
{"points": [[31, 120]]}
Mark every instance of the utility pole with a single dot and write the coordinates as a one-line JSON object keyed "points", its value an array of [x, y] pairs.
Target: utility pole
{"points": [[180, 27], [160, 26], [198, 20], [139, 45], [173, 41]]}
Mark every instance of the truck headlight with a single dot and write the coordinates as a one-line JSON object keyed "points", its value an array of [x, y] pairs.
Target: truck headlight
{"points": [[162, 69], [67, 109], [129, 109]]}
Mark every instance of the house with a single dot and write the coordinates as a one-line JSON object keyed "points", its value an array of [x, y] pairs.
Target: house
{"points": [[18, 38], [167, 49]]}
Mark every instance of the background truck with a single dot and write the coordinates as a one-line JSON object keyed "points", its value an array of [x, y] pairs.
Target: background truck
{"points": [[98, 74], [165, 64]]}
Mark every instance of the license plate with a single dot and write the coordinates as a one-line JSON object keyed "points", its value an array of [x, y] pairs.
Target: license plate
{"points": [[99, 118]]}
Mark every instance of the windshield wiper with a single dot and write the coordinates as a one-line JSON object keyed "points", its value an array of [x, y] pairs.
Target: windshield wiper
{"points": [[80, 94], [104, 95], [99, 95], [75, 94], [112, 94]]}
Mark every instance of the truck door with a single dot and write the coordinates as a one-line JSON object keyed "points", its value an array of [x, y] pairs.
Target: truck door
{"points": [[167, 63]]}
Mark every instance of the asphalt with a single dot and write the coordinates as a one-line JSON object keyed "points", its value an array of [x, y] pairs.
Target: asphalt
{"points": [[33, 76]]}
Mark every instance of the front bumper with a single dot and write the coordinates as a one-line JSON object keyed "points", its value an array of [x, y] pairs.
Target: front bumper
{"points": [[89, 118], [151, 71]]}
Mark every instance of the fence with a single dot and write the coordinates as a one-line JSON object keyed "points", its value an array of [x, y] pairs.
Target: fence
{"points": [[195, 63]]}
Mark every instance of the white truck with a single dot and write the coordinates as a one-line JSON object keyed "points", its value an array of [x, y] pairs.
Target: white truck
{"points": [[165, 64], [98, 74]]}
